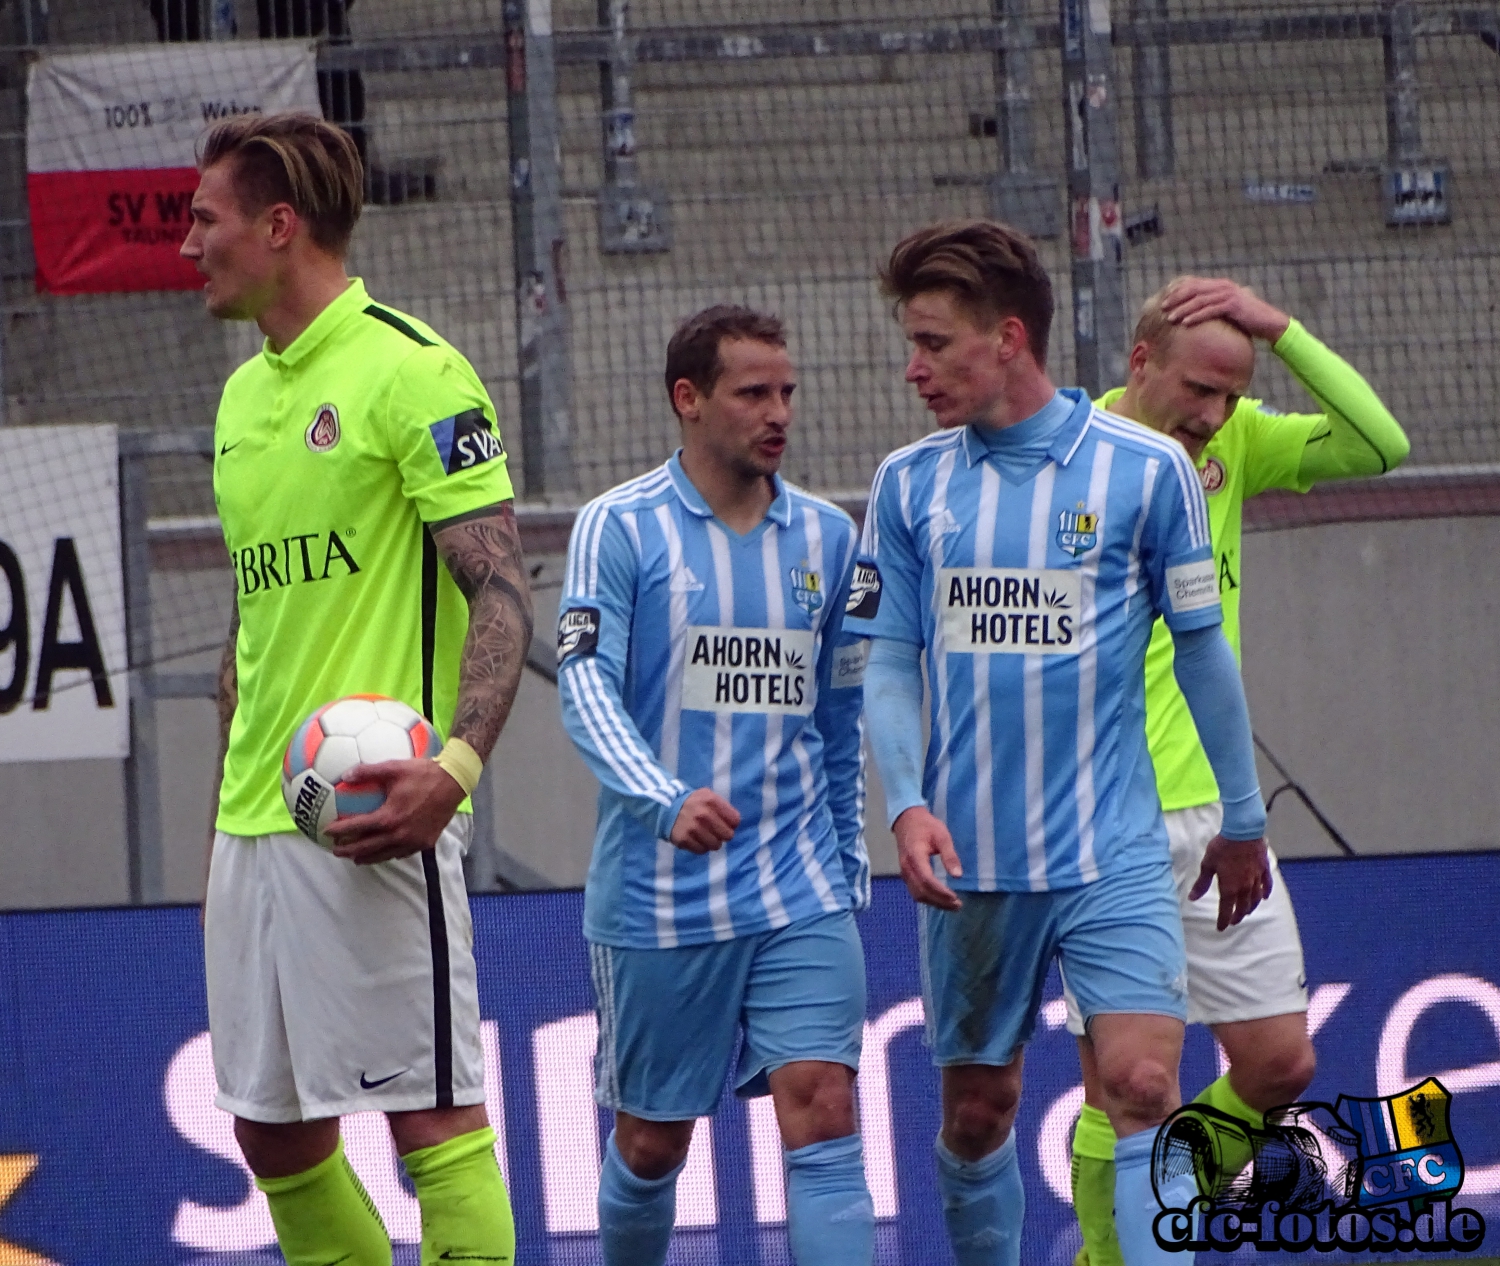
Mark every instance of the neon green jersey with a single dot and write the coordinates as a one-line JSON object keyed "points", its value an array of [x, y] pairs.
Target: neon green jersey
{"points": [[329, 460], [1257, 450]]}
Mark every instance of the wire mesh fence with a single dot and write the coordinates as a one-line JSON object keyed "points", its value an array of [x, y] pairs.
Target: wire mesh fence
{"points": [[554, 188]]}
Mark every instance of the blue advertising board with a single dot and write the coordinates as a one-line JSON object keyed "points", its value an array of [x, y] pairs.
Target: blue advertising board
{"points": [[112, 1153]]}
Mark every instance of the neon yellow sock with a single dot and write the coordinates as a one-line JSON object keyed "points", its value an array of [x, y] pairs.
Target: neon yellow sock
{"points": [[1234, 1154], [465, 1210], [324, 1214], [1094, 1189]]}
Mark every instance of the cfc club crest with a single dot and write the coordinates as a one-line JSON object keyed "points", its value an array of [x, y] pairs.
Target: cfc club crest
{"points": [[1212, 475], [1077, 531], [807, 588], [323, 430], [1405, 1144]]}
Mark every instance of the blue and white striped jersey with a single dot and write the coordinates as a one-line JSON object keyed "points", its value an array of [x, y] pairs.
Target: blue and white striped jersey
{"points": [[1034, 602], [690, 656]]}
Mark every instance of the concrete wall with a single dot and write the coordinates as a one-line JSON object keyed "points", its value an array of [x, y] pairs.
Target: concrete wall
{"points": [[1370, 665]]}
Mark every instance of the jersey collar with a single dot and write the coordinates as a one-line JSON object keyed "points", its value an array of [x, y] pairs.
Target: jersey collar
{"points": [[780, 512], [352, 301], [1064, 443]]}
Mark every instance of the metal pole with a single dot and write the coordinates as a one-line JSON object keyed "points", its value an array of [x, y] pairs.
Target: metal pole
{"points": [[142, 790], [221, 22], [538, 243], [633, 219], [1021, 196], [1095, 226], [614, 96], [1403, 120], [1151, 72]]}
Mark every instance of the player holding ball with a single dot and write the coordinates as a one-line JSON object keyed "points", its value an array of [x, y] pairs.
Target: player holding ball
{"points": [[362, 485]]}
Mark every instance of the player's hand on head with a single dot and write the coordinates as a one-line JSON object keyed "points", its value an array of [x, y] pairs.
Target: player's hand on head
{"points": [[420, 800], [1243, 869], [919, 838], [705, 822], [1193, 300]]}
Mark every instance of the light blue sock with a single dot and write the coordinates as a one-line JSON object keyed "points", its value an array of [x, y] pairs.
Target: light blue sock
{"points": [[1136, 1205], [636, 1215], [984, 1205], [830, 1218]]}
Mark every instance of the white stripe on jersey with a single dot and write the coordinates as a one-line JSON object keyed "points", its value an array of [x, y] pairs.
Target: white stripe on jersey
{"points": [[1031, 685], [870, 541], [718, 860], [582, 576], [1088, 669], [1182, 465], [939, 660], [1133, 567], [984, 757], [813, 527], [769, 796], [805, 847], [671, 727], [635, 770]]}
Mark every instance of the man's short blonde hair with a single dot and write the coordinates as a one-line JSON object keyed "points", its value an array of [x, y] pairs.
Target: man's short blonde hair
{"points": [[1152, 327], [294, 158]]}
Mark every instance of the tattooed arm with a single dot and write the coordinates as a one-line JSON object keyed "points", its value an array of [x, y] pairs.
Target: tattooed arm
{"points": [[482, 552]]}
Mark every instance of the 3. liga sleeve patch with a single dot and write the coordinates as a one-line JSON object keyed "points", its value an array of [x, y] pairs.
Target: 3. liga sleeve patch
{"points": [[466, 440], [864, 592], [577, 632]]}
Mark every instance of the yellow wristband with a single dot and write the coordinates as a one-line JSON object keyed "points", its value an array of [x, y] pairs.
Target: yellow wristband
{"points": [[463, 762]]}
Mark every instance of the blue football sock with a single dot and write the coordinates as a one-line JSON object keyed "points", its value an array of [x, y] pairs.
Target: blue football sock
{"points": [[636, 1215], [1136, 1205], [984, 1205], [830, 1218]]}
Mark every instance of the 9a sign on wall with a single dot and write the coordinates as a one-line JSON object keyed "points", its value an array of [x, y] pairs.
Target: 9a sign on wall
{"points": [[62, 597]]}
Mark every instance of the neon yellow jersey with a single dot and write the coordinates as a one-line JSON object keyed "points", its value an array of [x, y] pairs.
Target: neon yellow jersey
{"points": [[1254, 451], [329, 460]]}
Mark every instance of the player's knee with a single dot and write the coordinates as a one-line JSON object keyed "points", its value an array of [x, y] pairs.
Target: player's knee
{"points": [[977, 1120], [1144, 1087], [1284, 1073], [815, 1101], [653, 1149]]}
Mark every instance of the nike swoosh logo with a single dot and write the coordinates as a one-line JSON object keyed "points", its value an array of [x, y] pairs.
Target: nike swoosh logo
{"points": [[224, 448], [365, 1084]]}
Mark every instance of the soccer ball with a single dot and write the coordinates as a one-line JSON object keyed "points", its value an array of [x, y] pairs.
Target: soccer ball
{"points": [[355, 730]]}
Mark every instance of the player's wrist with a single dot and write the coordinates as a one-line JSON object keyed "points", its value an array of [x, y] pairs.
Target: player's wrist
{"points": [[462, 764]]}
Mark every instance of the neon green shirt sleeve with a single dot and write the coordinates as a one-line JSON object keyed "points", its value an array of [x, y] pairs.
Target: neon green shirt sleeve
{"points": [[1355, 436], [444, 436]]}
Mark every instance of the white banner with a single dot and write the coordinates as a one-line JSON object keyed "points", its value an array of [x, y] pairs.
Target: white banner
{"points": [[110, 152], [64, 693], [145, 107]]}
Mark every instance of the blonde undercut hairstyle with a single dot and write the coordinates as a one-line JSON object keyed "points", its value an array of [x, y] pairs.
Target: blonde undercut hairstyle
{"points": [[294, 158], [990, 268]]}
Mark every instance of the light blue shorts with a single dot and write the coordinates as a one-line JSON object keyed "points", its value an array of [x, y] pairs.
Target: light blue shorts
{"points": [[1118, 940], [668, 1018]]}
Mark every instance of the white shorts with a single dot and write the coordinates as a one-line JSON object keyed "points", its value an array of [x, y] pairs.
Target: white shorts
{"points": [[335, 988], [1247, 972]]}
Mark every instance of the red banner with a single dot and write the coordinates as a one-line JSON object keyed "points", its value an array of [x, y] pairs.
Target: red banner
{"points": [[96, 231]]}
